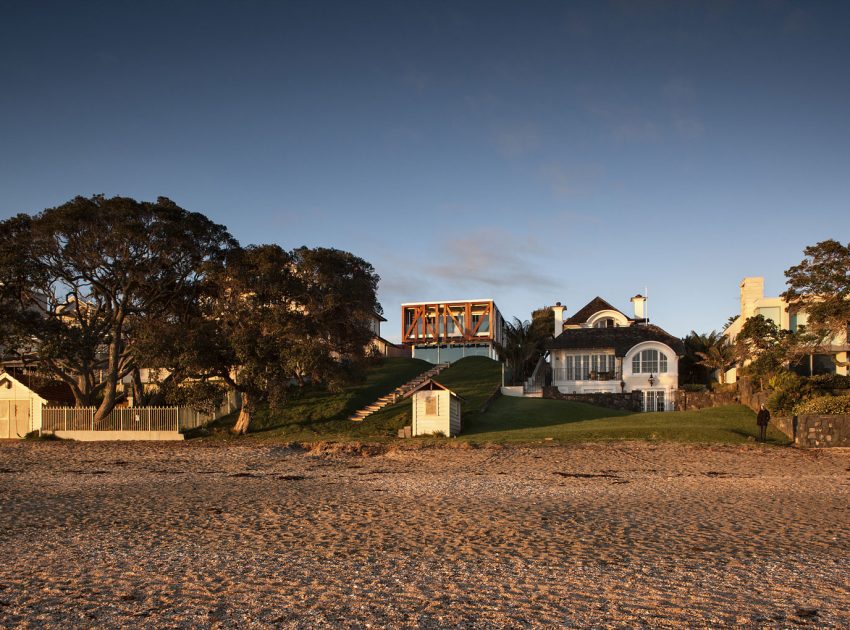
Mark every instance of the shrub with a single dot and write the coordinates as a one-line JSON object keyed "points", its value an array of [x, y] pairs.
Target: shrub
{"points": [[830, 381], [824, 405], [693, 387], [789, 390]]}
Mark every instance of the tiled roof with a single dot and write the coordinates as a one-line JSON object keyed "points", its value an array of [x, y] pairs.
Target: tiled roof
{"points": [[621, 340], [594, 306]]}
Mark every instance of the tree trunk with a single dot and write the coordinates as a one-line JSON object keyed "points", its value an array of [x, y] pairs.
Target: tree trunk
{"points": [[244, 419], [138, 388]]}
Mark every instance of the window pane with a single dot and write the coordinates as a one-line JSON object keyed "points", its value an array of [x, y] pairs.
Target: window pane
{"points": [[662, 363], [636, 363]]}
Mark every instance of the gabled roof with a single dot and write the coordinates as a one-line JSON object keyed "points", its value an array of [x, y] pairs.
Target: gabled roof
{"points": [[431, 384], [7, 378], [594, 306], [619, 339]]}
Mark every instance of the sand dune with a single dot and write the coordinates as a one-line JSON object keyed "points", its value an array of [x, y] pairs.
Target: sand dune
{"points": [[618, 535]]}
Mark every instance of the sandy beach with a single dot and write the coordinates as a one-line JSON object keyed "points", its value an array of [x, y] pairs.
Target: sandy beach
{"points": [[622, 535]]}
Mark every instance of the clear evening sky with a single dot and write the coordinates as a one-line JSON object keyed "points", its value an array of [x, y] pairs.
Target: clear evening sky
{"points": [[531, 152]]}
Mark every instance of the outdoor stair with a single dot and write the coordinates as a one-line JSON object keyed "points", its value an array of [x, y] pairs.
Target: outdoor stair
{"points": [[399, 393]]}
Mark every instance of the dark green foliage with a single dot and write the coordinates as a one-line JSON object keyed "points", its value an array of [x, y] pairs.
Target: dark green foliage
{"points": [[824, 405], [821, 284], [82, 280], [830, 381], [763, 349], [203, 396], [521, 349], [693, 387]]}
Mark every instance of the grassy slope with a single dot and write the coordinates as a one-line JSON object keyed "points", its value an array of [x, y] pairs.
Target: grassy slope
{"points": [[320, 414], [472, 378]]}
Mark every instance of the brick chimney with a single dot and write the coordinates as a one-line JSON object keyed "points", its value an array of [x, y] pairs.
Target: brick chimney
{"points": [[559, 318]]}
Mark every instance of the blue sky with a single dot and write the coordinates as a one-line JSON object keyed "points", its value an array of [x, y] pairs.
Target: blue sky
{"points": [[531, 152]]}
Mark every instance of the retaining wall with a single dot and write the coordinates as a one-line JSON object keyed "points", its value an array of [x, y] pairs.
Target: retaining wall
{"points": [[816, 431], [691, 401], [627, 402]]}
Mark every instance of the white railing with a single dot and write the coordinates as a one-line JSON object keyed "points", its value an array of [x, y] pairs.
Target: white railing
{"points": [[134, 418], [130, 419]]}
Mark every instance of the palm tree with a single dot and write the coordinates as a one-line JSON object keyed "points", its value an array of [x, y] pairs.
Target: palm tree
{"points": [[719, 355], [521, 344]]}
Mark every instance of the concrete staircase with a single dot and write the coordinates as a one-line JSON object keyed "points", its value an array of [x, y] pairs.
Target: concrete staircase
{"points": [[398, 393]]}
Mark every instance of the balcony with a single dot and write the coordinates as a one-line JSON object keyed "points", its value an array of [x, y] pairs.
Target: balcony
{"points": [[559, 375]]}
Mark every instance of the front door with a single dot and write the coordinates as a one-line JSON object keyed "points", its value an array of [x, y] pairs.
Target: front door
{"points": [[653, 400]]}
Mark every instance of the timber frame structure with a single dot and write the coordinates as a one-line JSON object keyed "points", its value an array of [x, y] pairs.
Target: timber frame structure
{"points": [[457, 323]]}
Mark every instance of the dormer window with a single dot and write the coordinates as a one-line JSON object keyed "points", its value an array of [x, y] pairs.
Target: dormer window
{"points": [[606, 322]]}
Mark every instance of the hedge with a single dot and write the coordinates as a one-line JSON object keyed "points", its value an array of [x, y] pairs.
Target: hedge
{"points": [[824, 405]]}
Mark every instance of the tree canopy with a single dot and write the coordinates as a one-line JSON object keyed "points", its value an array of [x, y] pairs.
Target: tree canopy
{"points": [[99, 287], [821, 284], [78, 279]]}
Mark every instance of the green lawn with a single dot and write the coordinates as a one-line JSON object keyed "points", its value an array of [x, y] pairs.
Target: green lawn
{"points": [[535, 419], [321, 415]]}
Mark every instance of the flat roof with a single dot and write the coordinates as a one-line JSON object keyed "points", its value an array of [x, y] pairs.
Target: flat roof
{"points": [[447, 302]]}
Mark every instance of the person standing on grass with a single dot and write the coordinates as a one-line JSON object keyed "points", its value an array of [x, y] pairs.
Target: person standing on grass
{"points": [[763, 419]]}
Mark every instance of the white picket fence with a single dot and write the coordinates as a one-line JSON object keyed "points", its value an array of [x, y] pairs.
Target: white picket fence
{"points": [[130, 419], [133, 418]]}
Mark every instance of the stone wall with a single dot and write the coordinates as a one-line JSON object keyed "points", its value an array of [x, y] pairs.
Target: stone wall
{"points": [[625, 402], [816, 431], [691, 401]]}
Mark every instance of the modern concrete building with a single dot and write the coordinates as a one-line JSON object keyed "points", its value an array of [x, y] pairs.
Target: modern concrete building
{"points": [[831, 358]]}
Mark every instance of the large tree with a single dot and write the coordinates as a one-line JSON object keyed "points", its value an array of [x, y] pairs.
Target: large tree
{"points": [[821, 285], [764, 349], [274, 320], [80, 280]]}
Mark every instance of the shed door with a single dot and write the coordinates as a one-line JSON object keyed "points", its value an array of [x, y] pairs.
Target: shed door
{"points": [[20, 412], [14, 418], [4, 419]]}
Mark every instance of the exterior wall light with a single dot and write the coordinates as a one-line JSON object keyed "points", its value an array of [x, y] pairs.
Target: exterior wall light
{"points": [[651, 380]]}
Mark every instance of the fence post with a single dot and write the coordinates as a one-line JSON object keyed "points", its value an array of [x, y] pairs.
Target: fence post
{"points": [[92, 420]]}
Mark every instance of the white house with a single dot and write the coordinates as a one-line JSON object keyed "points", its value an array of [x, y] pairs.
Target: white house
{"points": [[600, 349]]}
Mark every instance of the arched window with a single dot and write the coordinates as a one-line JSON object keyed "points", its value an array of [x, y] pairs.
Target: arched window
{"points": [[607, 322], [649, 361]]}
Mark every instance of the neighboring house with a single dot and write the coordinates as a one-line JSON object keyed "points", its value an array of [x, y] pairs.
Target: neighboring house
{"points": [[381, 346], [443, 332], [827, 359], [600, 349]]}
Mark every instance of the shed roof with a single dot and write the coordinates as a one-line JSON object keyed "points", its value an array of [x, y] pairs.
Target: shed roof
{"points": [[431, 384], [620, 339]]}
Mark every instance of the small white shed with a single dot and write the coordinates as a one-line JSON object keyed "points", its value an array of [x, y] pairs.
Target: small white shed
{"points": [[436, 409], [20, 408]]}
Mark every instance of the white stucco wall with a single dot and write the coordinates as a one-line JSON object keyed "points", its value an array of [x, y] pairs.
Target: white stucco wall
{"points": [[12, 391], [668, 381]]}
